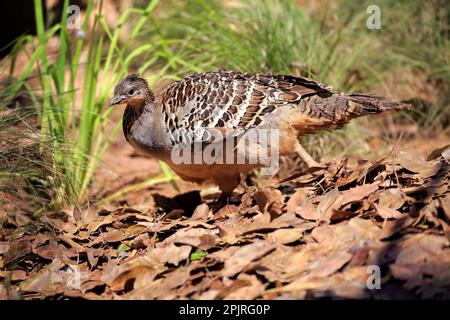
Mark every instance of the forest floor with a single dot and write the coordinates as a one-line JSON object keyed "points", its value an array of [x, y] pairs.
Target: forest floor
{"points": [[360, 229]]}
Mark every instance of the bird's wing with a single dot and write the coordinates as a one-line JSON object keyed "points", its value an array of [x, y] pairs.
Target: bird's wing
{"points": [[234, 100], [239, 101]]}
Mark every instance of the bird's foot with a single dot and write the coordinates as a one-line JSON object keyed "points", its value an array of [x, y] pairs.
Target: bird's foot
{"points": [[222, 201]]}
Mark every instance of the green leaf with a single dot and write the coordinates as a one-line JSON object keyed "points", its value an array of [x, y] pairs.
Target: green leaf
{"points": [[123, 247], [198, 255]]}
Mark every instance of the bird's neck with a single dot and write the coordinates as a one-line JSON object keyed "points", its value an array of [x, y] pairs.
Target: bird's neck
{"points": [[133, 112], [130, 115]]}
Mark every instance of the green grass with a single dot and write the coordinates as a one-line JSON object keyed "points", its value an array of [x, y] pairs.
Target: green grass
{"points": [[72, 136], [262, 36]]}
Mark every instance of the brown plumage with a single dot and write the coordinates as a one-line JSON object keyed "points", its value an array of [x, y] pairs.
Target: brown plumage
{"points": [[235, 102]]}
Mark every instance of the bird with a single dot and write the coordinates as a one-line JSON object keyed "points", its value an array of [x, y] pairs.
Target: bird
{"points": [[195, 110]]}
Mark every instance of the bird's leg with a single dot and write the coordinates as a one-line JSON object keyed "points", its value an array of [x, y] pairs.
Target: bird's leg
{"points": [[305, 156], [224, 198], [227, 185], [222, 201]]}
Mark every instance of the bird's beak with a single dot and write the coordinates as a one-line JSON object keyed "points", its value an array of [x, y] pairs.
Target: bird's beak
{"points": [[116, 100]]}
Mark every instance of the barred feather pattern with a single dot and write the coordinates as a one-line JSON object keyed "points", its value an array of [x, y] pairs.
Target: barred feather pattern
{"points": [[237, 100]]}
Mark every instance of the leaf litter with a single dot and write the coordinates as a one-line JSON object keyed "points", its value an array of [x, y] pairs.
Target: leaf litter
{"points": [[316, 235]]}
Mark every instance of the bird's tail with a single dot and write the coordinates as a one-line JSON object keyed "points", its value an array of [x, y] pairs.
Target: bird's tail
{"points": [[361, 105], [332, 111], [341, 108]]}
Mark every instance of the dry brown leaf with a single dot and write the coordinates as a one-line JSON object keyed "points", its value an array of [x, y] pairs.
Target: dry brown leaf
{"points": [[388, 213], [246, 254], [253, 289], [93, 226], [17, 250], [237, 225], [286, 220], [14, 275], [346, 234], [196, 237], [392, 227], [3, 292], [201, 212], [4, 247], [328, 200], [440, 152], [226, 211], [297, 263], [49, 251], [46, 282], [445, 205], [414, 163], [171, 253], [356, 277], [270, 200], [297, 199], [117, 235], [391, 198], [162, 288], [284, 236], [300, 204], [139, 272], [356, 194], [328, 265], [137, 276], [308, 212]]}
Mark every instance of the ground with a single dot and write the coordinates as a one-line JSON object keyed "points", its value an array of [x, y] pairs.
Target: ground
{"points": [[373, 229]]}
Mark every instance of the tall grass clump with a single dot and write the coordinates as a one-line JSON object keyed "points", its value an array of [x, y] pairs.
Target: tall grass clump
{"points": [[74, 136]]}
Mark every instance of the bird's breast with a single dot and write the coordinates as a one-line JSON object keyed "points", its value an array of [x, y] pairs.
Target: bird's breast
{"points": [[148, 137]]}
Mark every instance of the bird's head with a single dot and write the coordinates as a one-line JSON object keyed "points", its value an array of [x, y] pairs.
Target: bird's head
{"points": [[132, 90]]}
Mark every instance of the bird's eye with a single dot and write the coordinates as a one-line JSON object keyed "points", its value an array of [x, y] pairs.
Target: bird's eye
{"points": [[131, 92]]}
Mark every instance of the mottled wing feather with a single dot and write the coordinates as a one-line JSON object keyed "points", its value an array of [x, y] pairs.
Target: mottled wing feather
{"points": [[236, 100], [232, 99]]}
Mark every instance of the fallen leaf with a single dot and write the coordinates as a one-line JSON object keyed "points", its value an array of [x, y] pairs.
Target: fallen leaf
{"points": [[17, 250], [4, 247], [390, 228], [172, 254], [137, 273], [93, 226], [297, 199], [196, 237], [414, 163], [388, 213], [198, 255], [286, 220], [162, 288], [270, 200], [284, 236], [328, 265], [246, 254], [253, 289], [440, 152], [300, 204], [117, 235], [226, 211], [201, 212], [391, 198], [46, 282], [356, 194]]}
